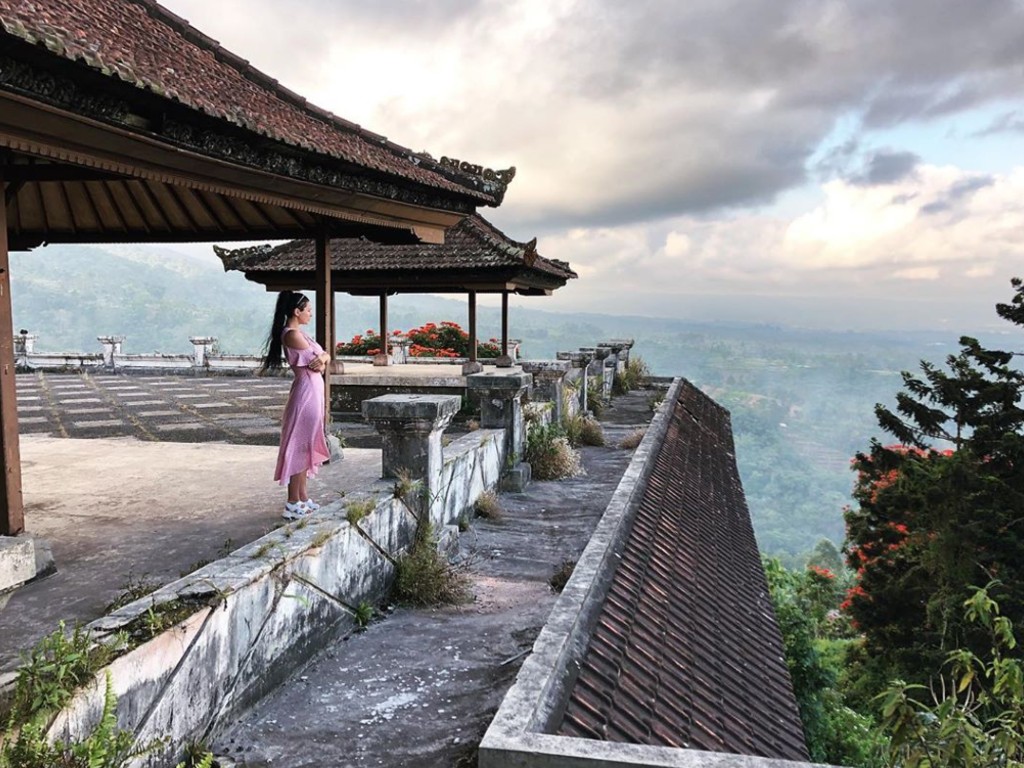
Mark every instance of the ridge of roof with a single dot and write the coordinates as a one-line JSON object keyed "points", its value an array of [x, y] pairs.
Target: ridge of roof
{"points": [[70, 30]]}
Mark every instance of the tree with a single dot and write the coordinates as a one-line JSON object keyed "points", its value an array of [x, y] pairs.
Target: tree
{"points": [[940, 510], [802, 601], [976, 716]]}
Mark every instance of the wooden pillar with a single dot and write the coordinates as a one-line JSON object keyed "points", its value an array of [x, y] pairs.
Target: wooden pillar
{"points": [[324, 309], [12, 509], [472, 326], [383, 324], [504, 323]]}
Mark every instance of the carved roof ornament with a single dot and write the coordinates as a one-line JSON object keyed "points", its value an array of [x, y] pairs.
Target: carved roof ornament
{"points": [[487, 174], [530, 252]]}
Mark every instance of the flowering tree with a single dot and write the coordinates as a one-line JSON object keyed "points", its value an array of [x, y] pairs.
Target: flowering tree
{"points": [[446, 340], [939, 511]]}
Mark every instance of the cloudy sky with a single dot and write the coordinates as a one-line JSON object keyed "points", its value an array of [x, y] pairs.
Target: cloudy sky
{"points": [[811, 162]]}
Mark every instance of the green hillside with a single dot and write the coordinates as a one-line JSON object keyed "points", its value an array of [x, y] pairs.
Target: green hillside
{"points": [[801, 400]]}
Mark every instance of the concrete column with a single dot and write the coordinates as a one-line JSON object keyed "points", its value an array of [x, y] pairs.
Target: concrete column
{"points": [[111, 349], [411, 427], [201, 346], [548, 381], [500, 395]]}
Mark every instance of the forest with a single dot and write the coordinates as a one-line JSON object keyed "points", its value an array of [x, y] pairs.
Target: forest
{"points": [[801, 400]]}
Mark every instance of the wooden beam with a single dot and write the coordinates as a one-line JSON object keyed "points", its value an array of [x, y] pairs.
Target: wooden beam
{"points": [[20, 173], [504, 323], [383, 323], [324, 331], [11, 191], [12, 510], [472, 326]]}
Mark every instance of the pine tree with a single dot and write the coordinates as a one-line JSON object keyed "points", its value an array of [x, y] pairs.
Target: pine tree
{"points": [[941, 510]]}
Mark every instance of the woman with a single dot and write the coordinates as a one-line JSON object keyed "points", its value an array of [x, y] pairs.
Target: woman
{"points": [[303, 446]]}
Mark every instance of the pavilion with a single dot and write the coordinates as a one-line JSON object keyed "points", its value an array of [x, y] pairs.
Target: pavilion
{"points": [[120, 122], [476, 257]]}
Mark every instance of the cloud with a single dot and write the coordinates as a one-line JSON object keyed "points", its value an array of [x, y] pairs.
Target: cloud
{"points": [[619, 113], [706, 148]]}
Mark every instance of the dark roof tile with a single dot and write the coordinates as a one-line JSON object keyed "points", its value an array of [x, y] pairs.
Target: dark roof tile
{"points": [[687, 624], [472, 244]]}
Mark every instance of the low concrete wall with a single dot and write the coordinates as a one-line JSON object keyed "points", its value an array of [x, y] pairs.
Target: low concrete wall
{"points": [[265, 609]]}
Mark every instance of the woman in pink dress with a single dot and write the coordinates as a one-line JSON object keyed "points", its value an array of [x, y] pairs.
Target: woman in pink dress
{"points": [[303, 445]]}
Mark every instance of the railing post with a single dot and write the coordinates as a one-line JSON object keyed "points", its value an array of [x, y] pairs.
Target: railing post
{"points": [[111, 350], [501, 407], [201, 346], [548, 381], [410, 427]]}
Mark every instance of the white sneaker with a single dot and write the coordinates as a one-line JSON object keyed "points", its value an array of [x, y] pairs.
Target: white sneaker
{"points": [[311, 505], [295, 511]]}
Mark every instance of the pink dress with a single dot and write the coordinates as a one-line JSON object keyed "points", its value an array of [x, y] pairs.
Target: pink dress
{"points": [[303, 445]]}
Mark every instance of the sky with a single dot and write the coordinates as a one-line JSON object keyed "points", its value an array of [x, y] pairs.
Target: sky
{"points": [[814, 163]]}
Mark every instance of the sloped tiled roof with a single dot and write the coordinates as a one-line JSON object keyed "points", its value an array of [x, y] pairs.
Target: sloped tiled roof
{"points": [[686, 652], [143, 44], [472, 244]]}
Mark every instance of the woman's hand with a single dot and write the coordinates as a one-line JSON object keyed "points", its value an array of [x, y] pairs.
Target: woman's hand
{"points": [[319, 363]]}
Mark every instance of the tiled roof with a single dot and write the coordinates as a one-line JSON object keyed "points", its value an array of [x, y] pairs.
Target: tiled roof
{"points": [[686, 652], [145, 45], [474, 244]]}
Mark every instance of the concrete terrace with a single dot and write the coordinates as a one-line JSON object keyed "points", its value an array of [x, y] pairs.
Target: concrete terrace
{"points": [[135, 502]]}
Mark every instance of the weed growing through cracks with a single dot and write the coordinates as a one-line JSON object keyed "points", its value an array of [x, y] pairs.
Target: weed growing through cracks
{"points": [[357, 510], [632, 440], [364, 614], [561, 575], [425, 578], [55, 668], [133, 589], [488, 506]]}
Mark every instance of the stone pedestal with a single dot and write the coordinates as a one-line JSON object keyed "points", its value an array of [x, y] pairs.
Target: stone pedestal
{"points": [[382, 359], [111, 348], [201, 346], [504, 361], [471, 367], [24, 343], [411, 427], [501, 407], [548, 381]]}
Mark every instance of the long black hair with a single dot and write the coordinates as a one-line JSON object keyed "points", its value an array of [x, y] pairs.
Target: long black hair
{"points": [[287, 303]]}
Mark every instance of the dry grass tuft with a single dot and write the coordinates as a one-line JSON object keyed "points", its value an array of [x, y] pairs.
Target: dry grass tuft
{"points": [[632, 440]]}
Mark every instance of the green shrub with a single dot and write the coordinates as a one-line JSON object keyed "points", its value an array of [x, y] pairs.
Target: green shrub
{"points": [[636, 375], [106, 747], [976, 717], [54, 669]]}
